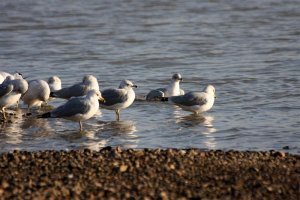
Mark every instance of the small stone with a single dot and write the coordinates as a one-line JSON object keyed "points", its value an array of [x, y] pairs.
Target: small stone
{"points": [[171, 166], [123, 168], [270, 189], [139, 153], [5, 184], [118, 149]]}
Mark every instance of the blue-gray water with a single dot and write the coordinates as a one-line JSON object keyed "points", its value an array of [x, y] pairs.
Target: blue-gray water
{"points": [[250, 51]]}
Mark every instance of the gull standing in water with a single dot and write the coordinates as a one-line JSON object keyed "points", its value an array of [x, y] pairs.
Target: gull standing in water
{"points": [[196, 102], [54, 83], [118, 99], [37, 93], [173, 89], [5, 89], [89, 82], [13, 94], [77, 108]]}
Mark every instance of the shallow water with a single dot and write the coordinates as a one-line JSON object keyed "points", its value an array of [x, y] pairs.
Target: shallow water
{"points": [[248, 50]]}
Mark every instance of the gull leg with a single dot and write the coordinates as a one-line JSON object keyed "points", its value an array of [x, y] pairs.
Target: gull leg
{"points": [[80, 125], [44, 104], [118, 115], [3, 113]]}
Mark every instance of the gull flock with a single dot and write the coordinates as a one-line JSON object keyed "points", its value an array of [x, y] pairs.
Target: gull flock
{"points": [[84, 99]]}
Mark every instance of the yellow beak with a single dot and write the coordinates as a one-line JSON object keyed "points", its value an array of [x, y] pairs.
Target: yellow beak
{"points": [[101, 99]]}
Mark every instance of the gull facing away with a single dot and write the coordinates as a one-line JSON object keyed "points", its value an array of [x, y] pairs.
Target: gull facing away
{"points": [[118, 99], [14, 90], [173, 89], [37, 93], [77, 109], [4, 75], [89, 82], [196, 102], [54, 83]]}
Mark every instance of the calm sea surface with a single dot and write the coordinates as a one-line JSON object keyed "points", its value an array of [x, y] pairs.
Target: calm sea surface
{"points": [[250, 51]]}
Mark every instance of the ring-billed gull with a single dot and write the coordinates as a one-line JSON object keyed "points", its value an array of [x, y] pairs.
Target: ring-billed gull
{"points": [[20, 86], [37, 93], [118, 99], [196, 102], [89, 82], [77, 108], [1, 79], [173, 89], [16, 75], [54, 83], [5, 89]]}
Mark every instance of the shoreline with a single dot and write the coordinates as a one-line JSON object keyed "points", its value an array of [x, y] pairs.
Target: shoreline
{"points": [[149, 174]]}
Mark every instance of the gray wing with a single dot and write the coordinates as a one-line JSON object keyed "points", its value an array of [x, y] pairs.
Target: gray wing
{"points": [[5, 89], [72, 91], [72, 107], [190, 99], [155, 95], [113, 96]]}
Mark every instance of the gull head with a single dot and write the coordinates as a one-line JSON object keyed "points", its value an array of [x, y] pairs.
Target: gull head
{"points": [[176, 77], [20, 86], [54, 80], [126, 84], [89, 79], [210, 90], [54, 83], [18, 75], [95, 94]]}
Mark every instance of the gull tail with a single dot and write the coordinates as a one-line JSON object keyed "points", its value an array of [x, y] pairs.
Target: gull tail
{"points": [[52, 94], [45, 115], [163, 99]]}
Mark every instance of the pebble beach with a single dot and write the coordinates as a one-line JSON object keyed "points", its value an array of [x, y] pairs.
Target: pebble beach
{"points": [[115, 173]]}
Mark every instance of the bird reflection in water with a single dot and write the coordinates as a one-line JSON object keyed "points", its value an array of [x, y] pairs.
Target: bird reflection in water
{"points": [[205, 124], [93, 141], [122, 133], [11, 131], [37, 127]]}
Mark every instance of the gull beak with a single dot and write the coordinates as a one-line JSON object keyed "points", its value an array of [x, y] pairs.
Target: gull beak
{"points": [[101, 100], [215, 96], [181, 79], [134, 86]]}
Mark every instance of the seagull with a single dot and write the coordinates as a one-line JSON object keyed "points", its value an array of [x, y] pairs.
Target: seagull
{"points": [[173, 89], [5, 89], [37, 93], [1, 79], [13, 94], [77, 109], [196, 102], [54, 83], [16, 75], [118, 99], [89, 82]]}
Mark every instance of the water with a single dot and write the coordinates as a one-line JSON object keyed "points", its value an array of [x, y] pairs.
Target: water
{"points": [[248, 49]]}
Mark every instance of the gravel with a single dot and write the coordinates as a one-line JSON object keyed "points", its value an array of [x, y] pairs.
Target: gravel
{"points": [[115, 173]]}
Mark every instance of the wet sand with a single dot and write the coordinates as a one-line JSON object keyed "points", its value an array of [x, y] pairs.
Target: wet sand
{"points": [[115, 173]]}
